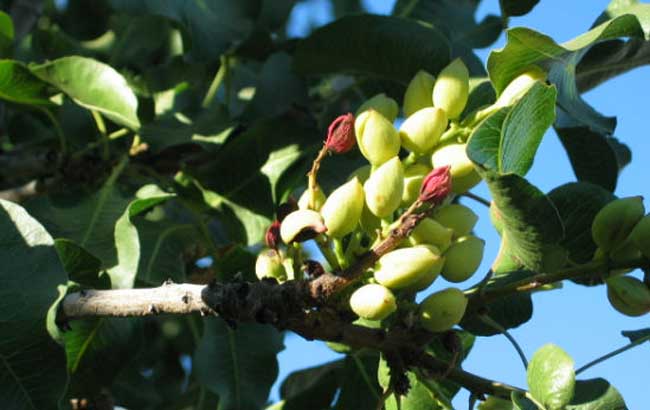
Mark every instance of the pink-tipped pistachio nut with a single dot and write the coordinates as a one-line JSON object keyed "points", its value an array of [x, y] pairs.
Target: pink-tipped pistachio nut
{"points": [[383, 104], [615, 221], [373, 302], [457, 217], [442, 310], [451, 89], [419, 93], [342, 209], [421, 131], [384, 188], [319, 199], [405, 267], [301, 225], [463, 175], [463, 258], [436, 186], [340, 134], [378, 140], [430, 232], [628, 295], [269, 265]]}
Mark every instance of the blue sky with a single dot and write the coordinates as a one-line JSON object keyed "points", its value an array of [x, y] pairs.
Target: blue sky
{"points": [[576, 318]]}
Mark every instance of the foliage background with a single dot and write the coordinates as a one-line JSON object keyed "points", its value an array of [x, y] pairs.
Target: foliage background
{"points": [[578, 318]]}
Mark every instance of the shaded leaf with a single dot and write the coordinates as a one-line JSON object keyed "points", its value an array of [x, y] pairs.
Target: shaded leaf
{"points": [[419, 397], [93, 85], [239, 365], [635, 335], [517, 7], [596, 394], [81, 266], [29, 277], [551, 377], [312, 388], [6, 35], [577, 204], [359, 387], [19, 85], [388, 47]]}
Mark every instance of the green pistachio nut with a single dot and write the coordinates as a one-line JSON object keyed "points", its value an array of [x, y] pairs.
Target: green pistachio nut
{"points": [[459, 218], [463, 258], [413, 177], [342, 209], [419, 93], [426, 280], [442, 310], [319, 199], [422, 130], [615, 221], [463, 175], [377, 139], [269, 265], [370, 223], [384, 188], [627, 251], [430, 232], [381, 103], [373, 302], [519, 86], [406, 267], [363, 173], [301, 225], [452, 89], [640, 236], [628, 295]]}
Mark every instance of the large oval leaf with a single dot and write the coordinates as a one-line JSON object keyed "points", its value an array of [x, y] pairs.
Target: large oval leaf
{"points": [[388, 47], [93, 85], [32, 364]]}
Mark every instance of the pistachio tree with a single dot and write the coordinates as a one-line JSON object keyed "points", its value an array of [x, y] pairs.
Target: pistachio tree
{"points": [[182, 184]]}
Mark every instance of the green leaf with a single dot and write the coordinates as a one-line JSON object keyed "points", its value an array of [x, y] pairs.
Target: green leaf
{"points": [[508, 140], [521, 402], [93, 85], [359, 387], [127, 242], [212, 27], [596, 394], [19, 85], [551, 377], [6, 35], [239, 365], [388, 47], [97, 350], [81, 266], [495, 403], [456, 19], [531, 224], [312, 388], [516, 7], [29, 277], [577, 204], [419, 397]]}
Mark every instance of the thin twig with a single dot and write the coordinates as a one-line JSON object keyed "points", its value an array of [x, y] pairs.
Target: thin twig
{"points": [[613, 353], [491, 322], [477, 198]]}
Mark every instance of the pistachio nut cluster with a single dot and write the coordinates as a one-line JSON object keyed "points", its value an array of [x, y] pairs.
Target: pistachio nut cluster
{"points": [[621, 233], [409, 170]]}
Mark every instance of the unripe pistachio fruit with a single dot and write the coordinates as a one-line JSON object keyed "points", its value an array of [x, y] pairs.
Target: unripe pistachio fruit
{"points": [[459, 218], [463, 175], [269, 265], [363, 173], [384, 188], [373, 302], [628, 295], [319, 199], [405, 267], [378, 140], [301, 225], [452, 89], [519, 86], [419, 93], [383, 104], [463, 258], [430, 232], [422, 130], [640, 236], [442, 310], [615, 221], [413, 177], [426, 280], [342, 209]]}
